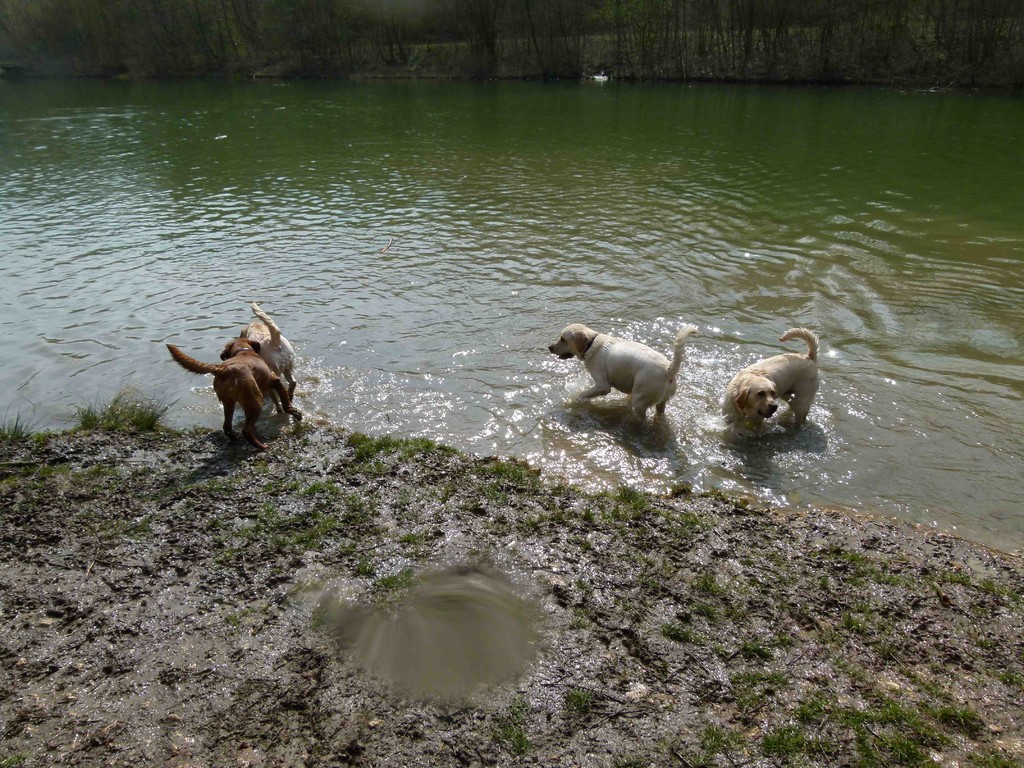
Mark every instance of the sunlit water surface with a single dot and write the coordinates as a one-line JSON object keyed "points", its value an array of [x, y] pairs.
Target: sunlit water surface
{"points": [[892, 223]]}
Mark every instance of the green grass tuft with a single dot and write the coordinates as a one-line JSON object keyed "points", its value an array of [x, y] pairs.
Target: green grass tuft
{"points": [[716, 740], [128, 410], [579, 702], [631, 504], [786, 741], [395, 582], [706, 585], [961, 718], [12, 430], [509, 729], [509, 471], [677, 633], [986, 760], [754, 650]]}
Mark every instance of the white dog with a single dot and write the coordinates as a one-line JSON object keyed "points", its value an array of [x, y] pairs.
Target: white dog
{"points": [[628, 366], [274, 348], [754, 393]]}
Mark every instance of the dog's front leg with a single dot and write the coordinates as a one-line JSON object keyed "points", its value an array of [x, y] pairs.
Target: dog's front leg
{"points": [[278, 406], [277, 388], [599, 388]]}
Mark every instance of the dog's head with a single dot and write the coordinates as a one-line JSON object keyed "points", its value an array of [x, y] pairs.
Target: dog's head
{"points": [[756, 397], [238, 346], [574, 342]]}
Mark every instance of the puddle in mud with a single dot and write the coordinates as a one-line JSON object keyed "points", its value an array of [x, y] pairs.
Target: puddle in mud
{"points": [[457, 630]]}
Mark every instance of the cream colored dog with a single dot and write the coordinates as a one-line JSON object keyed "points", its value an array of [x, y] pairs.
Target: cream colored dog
{"points": [[754, 393], [628, 366], [274, 348]]}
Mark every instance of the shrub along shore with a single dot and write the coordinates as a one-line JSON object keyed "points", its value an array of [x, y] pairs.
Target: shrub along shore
{"points": [[159, 591]]}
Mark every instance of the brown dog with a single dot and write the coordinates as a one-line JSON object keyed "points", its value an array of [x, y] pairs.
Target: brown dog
{"points": [[243, 378]]}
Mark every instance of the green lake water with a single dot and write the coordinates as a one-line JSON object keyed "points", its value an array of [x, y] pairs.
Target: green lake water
{"points": [[892, 223]]}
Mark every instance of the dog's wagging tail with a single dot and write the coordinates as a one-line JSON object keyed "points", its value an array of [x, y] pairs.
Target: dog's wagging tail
{"points": [[809, 336], [191, 364]]}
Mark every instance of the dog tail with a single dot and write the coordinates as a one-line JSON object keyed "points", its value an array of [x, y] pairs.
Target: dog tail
{"points": [[677, 356], [807, 335], [190, 363], [275, 332]]}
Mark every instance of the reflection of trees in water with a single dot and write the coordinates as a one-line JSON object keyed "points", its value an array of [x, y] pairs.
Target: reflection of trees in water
{"points": [[944, 42]]}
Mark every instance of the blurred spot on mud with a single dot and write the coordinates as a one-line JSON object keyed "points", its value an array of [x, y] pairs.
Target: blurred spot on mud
{"points": [[455, 631]]}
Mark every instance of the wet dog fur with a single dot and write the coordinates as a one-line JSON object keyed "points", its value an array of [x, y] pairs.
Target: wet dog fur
{"points": [[244, 378], [756, 392], [628, 366], [274, 348]]}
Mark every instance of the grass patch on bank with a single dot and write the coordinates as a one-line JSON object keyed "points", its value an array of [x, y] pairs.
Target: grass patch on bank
{"points": [[14, 429], [715, 740], [678, 633], [887, 731], [509, 728], [128, 410], [994, 760], [579, 702], [369, 448], [509, 472]]}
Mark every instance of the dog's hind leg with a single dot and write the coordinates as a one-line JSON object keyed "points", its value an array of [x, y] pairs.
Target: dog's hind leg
{"points": [[229, 414], [249, 430], [799, 407], [252, 413]]}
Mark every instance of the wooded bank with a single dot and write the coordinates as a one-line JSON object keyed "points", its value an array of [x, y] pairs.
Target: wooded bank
{"points": [[922, 42]]}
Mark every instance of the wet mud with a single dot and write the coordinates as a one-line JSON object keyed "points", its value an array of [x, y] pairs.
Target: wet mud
{"points": [[162, 603]]}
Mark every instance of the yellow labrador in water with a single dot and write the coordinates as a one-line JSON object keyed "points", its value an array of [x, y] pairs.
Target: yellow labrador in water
{"points": [[628, 366], [274, 348], [754, 393]]}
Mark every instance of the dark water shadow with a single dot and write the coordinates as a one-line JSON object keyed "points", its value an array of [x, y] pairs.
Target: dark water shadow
{"points": [[650, 438], [757, 452]]}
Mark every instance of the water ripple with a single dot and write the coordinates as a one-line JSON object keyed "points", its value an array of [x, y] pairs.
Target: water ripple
{"points": [[135, 219]]}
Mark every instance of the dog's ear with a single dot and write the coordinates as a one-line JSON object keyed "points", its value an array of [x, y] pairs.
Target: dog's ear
{"points": [[741, 398], [579, 342], [226, 352], [241, 333], [255, 346]]}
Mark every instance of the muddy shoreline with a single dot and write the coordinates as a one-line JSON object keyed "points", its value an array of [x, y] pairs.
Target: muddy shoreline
{"points": [[158, 594]]}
